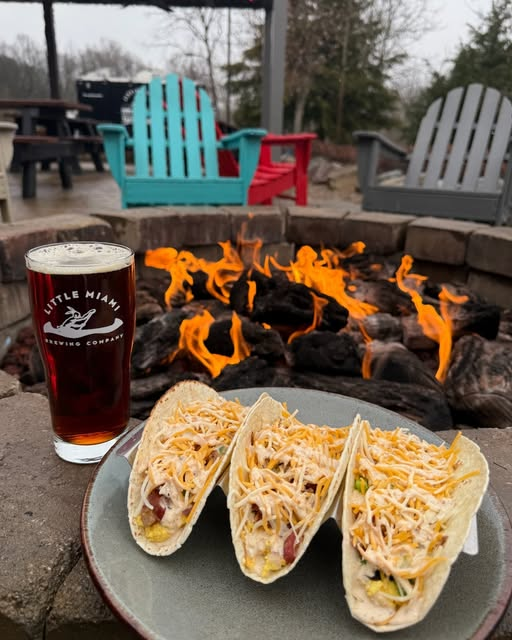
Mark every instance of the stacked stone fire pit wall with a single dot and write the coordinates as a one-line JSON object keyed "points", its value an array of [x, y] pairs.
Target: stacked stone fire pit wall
{"points": [[471, 253]]}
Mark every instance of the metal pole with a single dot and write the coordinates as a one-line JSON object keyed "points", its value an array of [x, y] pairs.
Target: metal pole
{"points": [[274, 53], [228, 83], [51, 49]]}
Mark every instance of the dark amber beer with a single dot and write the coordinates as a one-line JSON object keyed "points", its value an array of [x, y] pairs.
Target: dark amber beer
{"points": [[82, 296]]}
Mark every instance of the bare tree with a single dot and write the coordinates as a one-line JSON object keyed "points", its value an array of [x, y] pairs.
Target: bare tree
{"points": [[200, 45]]}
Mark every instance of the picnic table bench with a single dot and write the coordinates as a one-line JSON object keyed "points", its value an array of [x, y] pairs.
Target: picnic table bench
{"points": [[45, 134]]}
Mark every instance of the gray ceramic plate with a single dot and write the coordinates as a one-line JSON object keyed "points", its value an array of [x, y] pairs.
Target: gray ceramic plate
{"points": [[200, 593]]}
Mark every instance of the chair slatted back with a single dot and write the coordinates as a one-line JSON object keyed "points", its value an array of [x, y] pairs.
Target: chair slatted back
{"points": [[458, 149], [180, 120], [422, 145]]}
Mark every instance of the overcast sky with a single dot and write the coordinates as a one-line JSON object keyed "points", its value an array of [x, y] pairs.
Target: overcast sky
{"points": [[136, 27]]}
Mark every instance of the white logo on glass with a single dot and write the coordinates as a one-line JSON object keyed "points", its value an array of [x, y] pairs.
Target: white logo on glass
{"points": [[74, 325]]}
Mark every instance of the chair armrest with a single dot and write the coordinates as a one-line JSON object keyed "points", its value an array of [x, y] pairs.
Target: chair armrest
{"points": [[372, 148], [248, 143], [115, 137], [287, 139], [369, 137], [233, 140], [300, 141], [112, 130]]}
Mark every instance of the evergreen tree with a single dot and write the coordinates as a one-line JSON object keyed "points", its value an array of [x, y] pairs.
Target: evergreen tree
{"points": [[335, 80], [486, 58]]}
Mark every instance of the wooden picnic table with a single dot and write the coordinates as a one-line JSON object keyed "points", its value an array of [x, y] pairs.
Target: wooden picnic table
{"points": [[46, 133]]}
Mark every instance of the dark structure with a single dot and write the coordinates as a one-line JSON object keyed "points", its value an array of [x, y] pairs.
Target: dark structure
{"points": [[273, 55]]}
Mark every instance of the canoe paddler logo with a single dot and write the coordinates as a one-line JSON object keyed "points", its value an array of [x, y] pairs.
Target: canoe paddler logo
{"points": [[74, 326]]}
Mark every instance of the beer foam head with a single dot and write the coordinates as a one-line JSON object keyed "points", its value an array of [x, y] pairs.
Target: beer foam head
{"points": [[78, 257]]}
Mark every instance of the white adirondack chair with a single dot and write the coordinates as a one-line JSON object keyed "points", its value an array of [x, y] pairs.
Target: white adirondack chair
{"points": [[7, 130], [460, 166]]}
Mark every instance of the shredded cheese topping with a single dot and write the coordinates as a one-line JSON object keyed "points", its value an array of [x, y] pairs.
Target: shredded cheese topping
{"points": [[402, 498], [281, 486], [184, 457]]}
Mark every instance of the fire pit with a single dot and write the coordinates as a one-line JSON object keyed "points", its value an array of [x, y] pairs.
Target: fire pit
{"points": [[343, 321]]}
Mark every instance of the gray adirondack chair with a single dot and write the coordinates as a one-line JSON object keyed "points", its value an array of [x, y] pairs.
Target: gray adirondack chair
{"points": [[459, 166]]}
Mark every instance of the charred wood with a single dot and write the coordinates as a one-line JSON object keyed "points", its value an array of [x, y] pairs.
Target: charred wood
{"points": [[384, 295], [426, 406], [155, 340], [383, 326], [251, 372], [153, 386], [392, 361], [264, 343], [146, 306], [413, 336], [479, 382], [326, 352], [291, 306]]}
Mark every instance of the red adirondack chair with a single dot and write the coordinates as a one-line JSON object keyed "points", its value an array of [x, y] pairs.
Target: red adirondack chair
{"points": [[273, 179]]}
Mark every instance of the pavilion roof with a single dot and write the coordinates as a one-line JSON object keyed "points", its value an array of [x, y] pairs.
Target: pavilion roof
{"points": [[170, 4]]}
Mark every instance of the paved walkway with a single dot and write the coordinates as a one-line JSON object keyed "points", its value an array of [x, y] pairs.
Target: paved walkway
{"points": [[91, 192]]}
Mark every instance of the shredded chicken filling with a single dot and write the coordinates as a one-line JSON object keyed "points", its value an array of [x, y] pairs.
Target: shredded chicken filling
{"points": [[402, 499], [282, 485], [185, 456]]}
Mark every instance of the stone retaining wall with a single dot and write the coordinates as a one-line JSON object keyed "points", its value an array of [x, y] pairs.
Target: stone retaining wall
{"points": [[472, 253]]}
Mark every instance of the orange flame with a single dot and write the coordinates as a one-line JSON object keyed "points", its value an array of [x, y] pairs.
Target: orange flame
{"points": [[436, 327], [317, 273], [366, 365], [194, 333]]}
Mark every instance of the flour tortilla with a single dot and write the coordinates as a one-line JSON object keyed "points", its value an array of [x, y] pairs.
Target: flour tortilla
{"points": [[467, 499], [182, 393], [267, 411]]}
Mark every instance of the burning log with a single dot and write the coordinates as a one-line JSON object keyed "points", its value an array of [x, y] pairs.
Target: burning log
{"points": [[392, 361], [285, 305], [479, 382], [475, 317], [428, 407], [414, 337], [384, 295], [147, 306], [383, 326], [326, 352], [155, 340], [264, 343], [251, 372]]}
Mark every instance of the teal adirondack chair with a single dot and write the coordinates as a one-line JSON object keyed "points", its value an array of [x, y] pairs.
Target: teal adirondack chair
{"points": [[175, 149]]}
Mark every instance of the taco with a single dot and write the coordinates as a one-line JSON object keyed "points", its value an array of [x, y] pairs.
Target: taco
{"points": [[185, 447], [407, 510], [283, 478]]}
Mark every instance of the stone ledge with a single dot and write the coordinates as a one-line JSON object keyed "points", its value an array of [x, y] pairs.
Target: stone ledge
{"points": [[79, 612], [40, 498], [315, 226], [440, 240], [152, 227], [256, 223], [382, 233], [14, 303], [9, 385], [17, 238], [491, 250]]}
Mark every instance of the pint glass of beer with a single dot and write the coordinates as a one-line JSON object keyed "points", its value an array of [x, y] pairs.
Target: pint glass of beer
{"points": [[82, 297]]}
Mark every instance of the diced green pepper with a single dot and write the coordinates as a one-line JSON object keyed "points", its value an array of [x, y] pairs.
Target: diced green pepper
{"points": [[361, 485]]}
